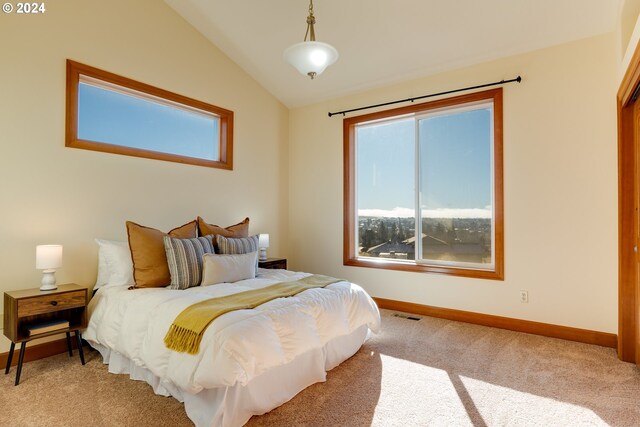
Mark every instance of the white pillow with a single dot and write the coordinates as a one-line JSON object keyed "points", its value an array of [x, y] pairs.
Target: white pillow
{"points": [[115, 267], [228, 268]]}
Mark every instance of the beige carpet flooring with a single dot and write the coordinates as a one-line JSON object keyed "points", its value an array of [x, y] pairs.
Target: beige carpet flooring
{"points": [[430, 372]]}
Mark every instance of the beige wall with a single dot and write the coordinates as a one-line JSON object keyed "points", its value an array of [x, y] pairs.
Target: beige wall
{"points": [[560, 190], [53, 194], [628, 34], [627, 18]]}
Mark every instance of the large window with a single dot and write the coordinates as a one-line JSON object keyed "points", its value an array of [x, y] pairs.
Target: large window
{"points": [[110, 113], [423, 187]]}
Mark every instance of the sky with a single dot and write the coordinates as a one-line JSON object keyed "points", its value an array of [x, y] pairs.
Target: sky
{"points": [[115, 118], [455, 175]]}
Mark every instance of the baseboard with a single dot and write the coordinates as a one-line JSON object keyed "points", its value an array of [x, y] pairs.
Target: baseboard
{"points": [[38, 351], [545, 329]]}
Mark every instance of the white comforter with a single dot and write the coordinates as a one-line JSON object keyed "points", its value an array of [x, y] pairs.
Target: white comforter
{"points": [[237, 346]]}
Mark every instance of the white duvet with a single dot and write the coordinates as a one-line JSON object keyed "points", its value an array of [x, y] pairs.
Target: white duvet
{"points": [[237, 346]]}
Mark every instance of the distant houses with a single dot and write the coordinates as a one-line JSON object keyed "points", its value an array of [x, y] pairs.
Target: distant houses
{"points": [[433, 249], [400, 250]]}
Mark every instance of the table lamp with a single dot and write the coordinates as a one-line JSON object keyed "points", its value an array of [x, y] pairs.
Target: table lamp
{"points": [[263, 244], [48, 258]]}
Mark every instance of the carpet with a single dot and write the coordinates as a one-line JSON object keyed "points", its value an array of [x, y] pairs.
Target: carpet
{"points": [[430, 372]]}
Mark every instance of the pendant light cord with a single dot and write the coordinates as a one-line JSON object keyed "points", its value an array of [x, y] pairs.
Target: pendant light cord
{"points": [[311, 19]]}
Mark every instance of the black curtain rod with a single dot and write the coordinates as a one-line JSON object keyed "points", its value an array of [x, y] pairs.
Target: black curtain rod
{"points": [[501, 82]]}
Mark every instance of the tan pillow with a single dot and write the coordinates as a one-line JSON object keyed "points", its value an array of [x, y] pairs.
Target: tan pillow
{"points": [[150, 267], [228, 268], [240, 229]]}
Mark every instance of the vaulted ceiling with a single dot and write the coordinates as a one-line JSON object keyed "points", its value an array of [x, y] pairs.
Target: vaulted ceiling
{"points": [[385, 41]]}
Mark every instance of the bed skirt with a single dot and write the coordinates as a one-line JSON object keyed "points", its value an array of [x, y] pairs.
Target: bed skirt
{"points": [[233, 406]]}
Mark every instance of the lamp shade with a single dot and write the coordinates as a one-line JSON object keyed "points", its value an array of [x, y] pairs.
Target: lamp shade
{"points": [[48, 257], [263, 241], [310, 57]]}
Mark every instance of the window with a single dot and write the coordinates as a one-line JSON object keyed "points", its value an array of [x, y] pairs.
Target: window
{"points": [[110, 113], [432, 170]]}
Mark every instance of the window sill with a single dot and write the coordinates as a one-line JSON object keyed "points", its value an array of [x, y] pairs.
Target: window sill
{"points": [[146, 154], [497, 274]]}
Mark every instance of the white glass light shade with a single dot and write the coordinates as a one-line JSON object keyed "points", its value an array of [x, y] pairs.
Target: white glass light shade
{"points": [[311, 58], [48, 257], [263, 244], [263, 241]]}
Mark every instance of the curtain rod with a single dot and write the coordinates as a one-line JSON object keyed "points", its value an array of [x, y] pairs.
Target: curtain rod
{"points": [[501, 82]]}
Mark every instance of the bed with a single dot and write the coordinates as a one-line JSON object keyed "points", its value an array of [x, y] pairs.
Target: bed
{"points": [[250, 361]]}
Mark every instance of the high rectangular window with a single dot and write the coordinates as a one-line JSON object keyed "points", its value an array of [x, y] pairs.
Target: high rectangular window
{"points": [[110, 113], [432, 170]]}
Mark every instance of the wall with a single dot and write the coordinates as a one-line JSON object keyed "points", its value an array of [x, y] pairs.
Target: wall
{"points": [[627, 33], [53, 194], [627, 18], [560, 190]]}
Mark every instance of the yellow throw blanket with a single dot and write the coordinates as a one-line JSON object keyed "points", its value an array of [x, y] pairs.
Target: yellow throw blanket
{"points": [[187, 329]]}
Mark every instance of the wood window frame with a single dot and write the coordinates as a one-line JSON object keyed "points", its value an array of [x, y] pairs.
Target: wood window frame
{"points": [[76, 69], [350, 257]]}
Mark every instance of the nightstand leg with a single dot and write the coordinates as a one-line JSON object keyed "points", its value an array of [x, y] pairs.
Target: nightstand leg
{"points": [[13, 346], [79, 338], [23, 347], [69, 344]]}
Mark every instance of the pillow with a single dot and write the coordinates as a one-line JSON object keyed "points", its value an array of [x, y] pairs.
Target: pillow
{"points": [[243, 245], [184, 258], [150, 268], [228, 268], [114, 264], [240, 229]]}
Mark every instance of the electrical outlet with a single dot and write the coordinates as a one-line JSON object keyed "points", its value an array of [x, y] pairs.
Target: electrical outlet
{"points": [[524, 296]]}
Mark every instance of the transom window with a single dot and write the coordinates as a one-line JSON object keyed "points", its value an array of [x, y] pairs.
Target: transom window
{"points": [[110, 113], [432, 170]]}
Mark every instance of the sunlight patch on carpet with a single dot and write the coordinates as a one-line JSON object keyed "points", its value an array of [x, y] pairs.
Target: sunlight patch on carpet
{"points": [[503, 405], [427, 396], [432, 396]]}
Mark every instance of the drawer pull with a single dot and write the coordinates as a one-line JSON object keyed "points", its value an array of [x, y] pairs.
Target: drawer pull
{"points": [[54, 303]]}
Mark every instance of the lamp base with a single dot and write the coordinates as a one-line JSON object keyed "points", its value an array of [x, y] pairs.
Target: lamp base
{"points": [[48, 280], [263, 254]]}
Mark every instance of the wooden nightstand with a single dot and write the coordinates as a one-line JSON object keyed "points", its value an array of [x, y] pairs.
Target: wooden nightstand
{"points": [[28, 308], [273, 263]]}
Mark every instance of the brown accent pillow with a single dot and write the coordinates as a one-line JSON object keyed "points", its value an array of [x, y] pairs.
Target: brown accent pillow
{"points": [[150, 267], [240, 229]]}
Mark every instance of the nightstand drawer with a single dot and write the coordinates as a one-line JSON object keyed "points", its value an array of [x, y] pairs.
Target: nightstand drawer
{"points": [[49, 303], [273, 263]]}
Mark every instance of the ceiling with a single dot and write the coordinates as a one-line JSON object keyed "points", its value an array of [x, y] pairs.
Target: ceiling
{"points": [[385, 41]]}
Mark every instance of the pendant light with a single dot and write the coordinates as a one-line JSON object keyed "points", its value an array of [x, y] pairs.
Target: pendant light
{"points": [[311, 58]]}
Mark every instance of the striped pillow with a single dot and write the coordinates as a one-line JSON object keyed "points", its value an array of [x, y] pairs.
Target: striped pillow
{"points": [[184, 257], [241, 245]]}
